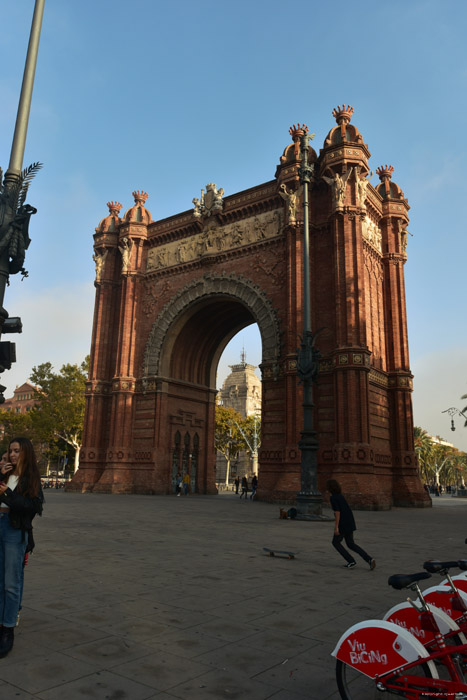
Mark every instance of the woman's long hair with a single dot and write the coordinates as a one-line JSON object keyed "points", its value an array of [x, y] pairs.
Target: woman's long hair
{"points": [[30, 481]]}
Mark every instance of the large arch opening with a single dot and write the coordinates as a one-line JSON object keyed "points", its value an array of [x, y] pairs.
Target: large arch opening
{"points": [[182, 357], [195, 343]]}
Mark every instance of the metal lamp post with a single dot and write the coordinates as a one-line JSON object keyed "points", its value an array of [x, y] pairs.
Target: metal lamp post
{"points": [[309, 500], [14, 213]]}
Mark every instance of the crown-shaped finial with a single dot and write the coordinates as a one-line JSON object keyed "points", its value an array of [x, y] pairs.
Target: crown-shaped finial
{"points": [[342, 114], [114, 208], [385, 172], [298, 131], [140, 197]]}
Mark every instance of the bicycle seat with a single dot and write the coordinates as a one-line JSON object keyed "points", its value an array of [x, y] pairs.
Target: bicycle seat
{"points": [[434, 566], [462, 564], [400, 581]]}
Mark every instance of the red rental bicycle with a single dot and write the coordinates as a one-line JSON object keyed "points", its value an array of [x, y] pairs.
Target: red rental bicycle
{"points": [[377, 657]]}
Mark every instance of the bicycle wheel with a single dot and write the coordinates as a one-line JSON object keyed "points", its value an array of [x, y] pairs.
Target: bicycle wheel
{"points": [[354, 685]]}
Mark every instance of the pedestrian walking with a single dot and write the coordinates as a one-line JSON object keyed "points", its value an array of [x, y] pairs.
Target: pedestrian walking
{"points": [[344, 527], [186, 483], [244, 487], [254, 486], [237, 484]]}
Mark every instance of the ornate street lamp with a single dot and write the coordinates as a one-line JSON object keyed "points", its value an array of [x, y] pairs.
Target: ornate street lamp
{"points": [[309, 500], [14, 212], [453, 412]]}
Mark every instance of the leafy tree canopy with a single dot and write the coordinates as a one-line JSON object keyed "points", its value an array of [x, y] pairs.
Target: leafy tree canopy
{"points": [[60, 396]]}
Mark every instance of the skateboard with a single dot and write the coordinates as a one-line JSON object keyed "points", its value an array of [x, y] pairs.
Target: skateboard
{"points": [[279, 553]]}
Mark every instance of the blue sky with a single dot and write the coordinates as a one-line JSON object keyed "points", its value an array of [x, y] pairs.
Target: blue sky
{"points": [[166, 97]]}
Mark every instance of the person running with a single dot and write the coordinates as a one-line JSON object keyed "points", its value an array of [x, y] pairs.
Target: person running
{"points": [[344, 527], [21, 499]]}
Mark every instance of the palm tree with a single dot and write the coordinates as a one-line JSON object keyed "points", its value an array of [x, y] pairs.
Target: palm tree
{"points": [[464, 410], [423, 448]]}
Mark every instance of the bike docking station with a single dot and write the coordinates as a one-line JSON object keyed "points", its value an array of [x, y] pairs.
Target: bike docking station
{"points": [[418, 651]]}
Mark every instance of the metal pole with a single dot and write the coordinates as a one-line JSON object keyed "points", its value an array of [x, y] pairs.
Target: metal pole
{"points": [[14, 218], [24, 107], [309, 500]]}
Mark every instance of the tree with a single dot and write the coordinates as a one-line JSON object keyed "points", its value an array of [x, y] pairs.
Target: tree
{"points": [[423, 448], [250, 428], [228, 439], [14, 425], [60, 412], [464, 410]]}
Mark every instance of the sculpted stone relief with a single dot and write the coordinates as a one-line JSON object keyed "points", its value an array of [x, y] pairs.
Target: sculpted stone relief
{"points": [[216, 239], [372, 234]]}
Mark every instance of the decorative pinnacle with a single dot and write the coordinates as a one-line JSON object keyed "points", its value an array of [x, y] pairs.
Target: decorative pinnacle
{"points": [[298, 131], [385, 172], [140, 197], [114, 208], [342, 114]]}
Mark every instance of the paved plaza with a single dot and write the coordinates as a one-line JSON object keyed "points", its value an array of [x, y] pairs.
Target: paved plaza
{"points": [[141, 597]]}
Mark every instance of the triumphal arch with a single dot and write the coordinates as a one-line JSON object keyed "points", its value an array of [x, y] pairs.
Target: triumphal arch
{"points": [[170, 294]]}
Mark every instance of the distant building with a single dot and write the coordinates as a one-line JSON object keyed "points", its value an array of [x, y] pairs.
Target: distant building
{"points": [[23, 399], [242, 392], [440, 441]]}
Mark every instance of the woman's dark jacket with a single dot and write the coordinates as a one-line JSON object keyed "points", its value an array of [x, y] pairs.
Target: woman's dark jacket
{"points": [[23, 509]]}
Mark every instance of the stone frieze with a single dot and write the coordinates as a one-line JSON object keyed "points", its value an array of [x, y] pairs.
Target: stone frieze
{"points": [[216, 239]]}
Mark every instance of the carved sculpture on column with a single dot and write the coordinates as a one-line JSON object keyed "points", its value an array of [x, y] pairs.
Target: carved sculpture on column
{"points": [[338, 184], [403, 236], [125, 249], [99, 260], [362, 184], [292, 199]]}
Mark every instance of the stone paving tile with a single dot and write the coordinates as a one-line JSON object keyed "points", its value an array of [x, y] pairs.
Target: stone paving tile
{"points": [[217, 685], [60, 636], [109, 652], [187, 643], [38, 674], [235, 658], [299, 675], [162, 671], [12, 692], [135, 628], [181, 618], [227, 630], [279, 641], [99, 686]]}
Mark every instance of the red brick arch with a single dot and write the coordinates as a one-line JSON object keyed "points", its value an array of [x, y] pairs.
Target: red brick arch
{"points": [[170, 294]]}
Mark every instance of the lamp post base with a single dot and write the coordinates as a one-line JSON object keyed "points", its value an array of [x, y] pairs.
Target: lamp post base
{"points": [[310, 507]]}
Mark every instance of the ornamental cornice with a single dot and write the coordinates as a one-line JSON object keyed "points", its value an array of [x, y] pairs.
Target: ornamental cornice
{"points": [[340, 152], [401, 380], [395, 208], [97, 386], [394, 259], [123, 384]]}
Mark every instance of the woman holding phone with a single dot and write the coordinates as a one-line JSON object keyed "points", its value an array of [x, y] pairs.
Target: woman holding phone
{"points": [[21, 499]]}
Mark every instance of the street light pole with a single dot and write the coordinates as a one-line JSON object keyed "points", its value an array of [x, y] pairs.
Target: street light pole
{"points": [[14, 213], [309, 500]]}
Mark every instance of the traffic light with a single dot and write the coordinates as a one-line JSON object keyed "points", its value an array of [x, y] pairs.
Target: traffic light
{"points": [[7, 355], [12, 324]]}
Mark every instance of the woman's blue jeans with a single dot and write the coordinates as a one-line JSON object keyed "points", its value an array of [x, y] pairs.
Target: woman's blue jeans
{"points": [[12, 552]]}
